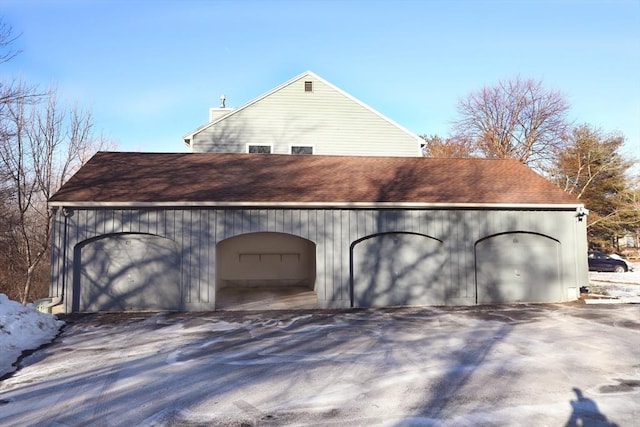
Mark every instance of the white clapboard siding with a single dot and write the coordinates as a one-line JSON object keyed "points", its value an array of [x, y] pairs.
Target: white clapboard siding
{"points": [[328, 119]]}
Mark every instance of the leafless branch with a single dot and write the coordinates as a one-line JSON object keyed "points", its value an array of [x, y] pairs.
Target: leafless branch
{"points": [[516, 119]]}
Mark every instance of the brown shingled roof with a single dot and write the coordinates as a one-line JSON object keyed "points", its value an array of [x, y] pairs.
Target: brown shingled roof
{"points": [[192, 178]]}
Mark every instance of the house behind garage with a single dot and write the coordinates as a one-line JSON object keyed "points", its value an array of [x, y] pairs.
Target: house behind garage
{"points": [[304, 115], [206, 231]]}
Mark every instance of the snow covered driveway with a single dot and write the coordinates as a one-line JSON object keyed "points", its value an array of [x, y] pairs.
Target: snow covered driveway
{"points": [[510, 365]]}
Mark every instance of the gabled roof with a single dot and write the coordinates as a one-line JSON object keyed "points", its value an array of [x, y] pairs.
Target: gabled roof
{"points": [[213, 179], [307, 74]]}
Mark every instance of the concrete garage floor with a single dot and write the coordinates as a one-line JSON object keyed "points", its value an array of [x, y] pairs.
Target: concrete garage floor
{"points": [[544, 365], [266, 298]]}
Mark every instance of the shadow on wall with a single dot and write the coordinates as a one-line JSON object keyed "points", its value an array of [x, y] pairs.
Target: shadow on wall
{"points": [[428, 257], [138, 259], [395, 269], [126, 271], [517, 266], [234, 135], [585, 413], [401, 258], [438, 257]]}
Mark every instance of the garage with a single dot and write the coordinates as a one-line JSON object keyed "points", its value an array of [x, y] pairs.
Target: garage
{"points": [[518, 267], [127, 271], [392, 269], [207, 231], [265, 270]]}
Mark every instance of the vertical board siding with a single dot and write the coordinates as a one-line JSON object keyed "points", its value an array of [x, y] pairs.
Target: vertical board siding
{"points": [[184, 240], [338, 268], [333, 231], [56, 256], [345, 254]]}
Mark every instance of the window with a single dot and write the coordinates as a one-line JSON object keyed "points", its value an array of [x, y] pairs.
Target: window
{"points": [[301, 149], [308, 86], [260, 149]]}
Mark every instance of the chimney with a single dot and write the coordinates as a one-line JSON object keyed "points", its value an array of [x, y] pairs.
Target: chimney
{"points": [[222, 110]]}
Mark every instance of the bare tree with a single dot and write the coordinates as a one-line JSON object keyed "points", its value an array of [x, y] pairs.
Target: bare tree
{"points": [[41, 144], [11, 91], [8, 93], [46, 146], [7, 40], [8, 219], [514, 119]]}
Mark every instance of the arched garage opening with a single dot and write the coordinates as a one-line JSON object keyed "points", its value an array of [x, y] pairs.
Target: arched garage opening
{"points": [[128, 271], [266, 270], [517, 267], [392, 269]]}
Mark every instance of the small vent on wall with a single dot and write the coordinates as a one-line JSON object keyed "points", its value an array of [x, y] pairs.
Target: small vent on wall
{"points": [[308, 86]]}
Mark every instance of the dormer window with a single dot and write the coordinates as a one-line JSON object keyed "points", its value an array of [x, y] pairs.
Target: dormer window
{"points": [[308, 86]]}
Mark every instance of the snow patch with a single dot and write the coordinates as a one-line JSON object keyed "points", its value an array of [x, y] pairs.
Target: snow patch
{"points": [[22, 328], [625, 287]]}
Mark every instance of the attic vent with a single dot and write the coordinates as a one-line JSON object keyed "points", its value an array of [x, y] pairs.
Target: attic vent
{"points": [[308, 86]]}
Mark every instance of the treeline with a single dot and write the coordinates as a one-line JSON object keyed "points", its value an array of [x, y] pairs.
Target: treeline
{"points": [[520, 119]]}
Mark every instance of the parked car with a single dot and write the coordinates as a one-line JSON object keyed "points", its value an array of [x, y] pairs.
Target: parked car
{"points": [[599, 261]]}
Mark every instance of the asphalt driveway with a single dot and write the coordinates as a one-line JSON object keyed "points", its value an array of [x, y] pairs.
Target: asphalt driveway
{"points": [[558, 364]]}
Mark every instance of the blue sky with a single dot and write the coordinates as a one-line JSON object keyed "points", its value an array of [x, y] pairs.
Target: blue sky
{"points": [[150, 70]]}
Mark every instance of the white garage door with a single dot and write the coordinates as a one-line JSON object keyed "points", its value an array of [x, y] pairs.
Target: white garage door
{"points": [[397, 269], [127, 272], [518, 267]]}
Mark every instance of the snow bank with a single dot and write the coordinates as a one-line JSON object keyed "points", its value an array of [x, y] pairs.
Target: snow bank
{"points": [[22, 328]]}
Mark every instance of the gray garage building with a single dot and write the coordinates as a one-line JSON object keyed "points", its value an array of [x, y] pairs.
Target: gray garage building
{"points": [[205, 231]]}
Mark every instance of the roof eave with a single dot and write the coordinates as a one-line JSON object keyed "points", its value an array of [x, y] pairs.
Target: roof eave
{"points": [[315, 205]]}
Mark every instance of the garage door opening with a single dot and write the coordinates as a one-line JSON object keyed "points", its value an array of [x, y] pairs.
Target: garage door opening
{"points": [[265, 271]]}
